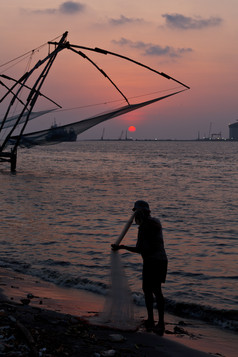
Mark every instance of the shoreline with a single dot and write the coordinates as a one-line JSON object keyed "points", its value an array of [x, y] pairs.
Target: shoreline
{"points": [[24, 294]]}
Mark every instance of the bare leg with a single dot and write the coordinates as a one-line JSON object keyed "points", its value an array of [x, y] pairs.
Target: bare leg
{"points": [[160, 306], [149, 305], [149, 300]]}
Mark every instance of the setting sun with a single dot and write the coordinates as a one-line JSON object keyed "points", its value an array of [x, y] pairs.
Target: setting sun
{"points": [[132, 128]]}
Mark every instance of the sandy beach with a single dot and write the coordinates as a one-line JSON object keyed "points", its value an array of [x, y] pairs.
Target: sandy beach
{"points": [[40, 319]]}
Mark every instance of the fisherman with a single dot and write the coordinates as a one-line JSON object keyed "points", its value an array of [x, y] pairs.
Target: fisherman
{"points": [[150, 245]]}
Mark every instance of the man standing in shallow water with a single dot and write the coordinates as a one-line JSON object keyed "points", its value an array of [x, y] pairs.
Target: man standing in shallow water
{"points": [[150, 245]]}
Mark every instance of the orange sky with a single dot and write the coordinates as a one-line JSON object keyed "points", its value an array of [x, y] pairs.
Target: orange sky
{"points": [[193, 41]]}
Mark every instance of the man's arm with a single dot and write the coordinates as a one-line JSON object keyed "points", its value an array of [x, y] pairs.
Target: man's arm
{"points": [[130, 249]]}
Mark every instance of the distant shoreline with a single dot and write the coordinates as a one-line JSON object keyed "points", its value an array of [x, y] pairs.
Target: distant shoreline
{"points": [[167, 140]]}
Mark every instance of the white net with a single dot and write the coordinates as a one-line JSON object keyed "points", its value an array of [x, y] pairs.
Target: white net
{"points": [[118, 308]]}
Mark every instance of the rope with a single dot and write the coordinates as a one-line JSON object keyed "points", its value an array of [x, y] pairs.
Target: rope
{"points": [[113, 101], [27, 54]]}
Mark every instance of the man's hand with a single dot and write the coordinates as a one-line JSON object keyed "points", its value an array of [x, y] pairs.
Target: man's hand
{"points": [[117, 247]]}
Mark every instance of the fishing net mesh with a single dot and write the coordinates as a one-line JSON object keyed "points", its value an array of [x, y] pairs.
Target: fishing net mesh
{"points": [[49, 137], [118, 308]]}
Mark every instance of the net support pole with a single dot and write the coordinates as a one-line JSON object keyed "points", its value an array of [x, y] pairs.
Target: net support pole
{"points": [[13, 160], [125, 229]]}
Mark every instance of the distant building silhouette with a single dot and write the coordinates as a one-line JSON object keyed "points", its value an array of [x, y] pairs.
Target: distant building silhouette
{"points": [[233, 131]]}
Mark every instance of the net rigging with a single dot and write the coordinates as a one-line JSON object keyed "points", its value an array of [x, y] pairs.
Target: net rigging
{"points": [[13, 127]]}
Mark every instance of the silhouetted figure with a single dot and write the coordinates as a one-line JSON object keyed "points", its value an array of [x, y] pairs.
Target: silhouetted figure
{"points": [[150, 245]]}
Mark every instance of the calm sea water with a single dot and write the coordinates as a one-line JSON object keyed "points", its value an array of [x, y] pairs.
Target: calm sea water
{"points": [[69, 202]]}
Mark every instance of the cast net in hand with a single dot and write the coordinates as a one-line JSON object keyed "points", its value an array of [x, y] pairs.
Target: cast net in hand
{"points": [[118, 308]]}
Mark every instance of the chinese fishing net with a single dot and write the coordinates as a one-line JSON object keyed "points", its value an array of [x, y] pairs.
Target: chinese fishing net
{"points": [[49, 137]]}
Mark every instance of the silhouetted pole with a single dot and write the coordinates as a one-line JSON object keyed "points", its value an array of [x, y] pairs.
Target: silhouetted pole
{"points": [[13, 160]]}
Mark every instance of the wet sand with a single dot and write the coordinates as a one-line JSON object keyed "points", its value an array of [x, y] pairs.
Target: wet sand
{"points": [[40, 319]]}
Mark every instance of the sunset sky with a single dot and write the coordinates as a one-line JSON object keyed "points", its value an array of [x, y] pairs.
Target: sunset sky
{"points": [[192, 41]]}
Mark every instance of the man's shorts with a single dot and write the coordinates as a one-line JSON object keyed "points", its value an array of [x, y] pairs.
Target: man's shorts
{"points": [[154, 273]]}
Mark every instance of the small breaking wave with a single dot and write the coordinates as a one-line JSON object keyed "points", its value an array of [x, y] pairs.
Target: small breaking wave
{"points": [[227, 319], [223, 318]]}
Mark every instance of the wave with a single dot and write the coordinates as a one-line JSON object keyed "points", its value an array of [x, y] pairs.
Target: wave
{"points": [[223, 318], [57, 262], [227, 319], [203, 276]]}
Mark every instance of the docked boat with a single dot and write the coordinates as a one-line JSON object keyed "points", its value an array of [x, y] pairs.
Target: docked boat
{"points": [[60, 134]]}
